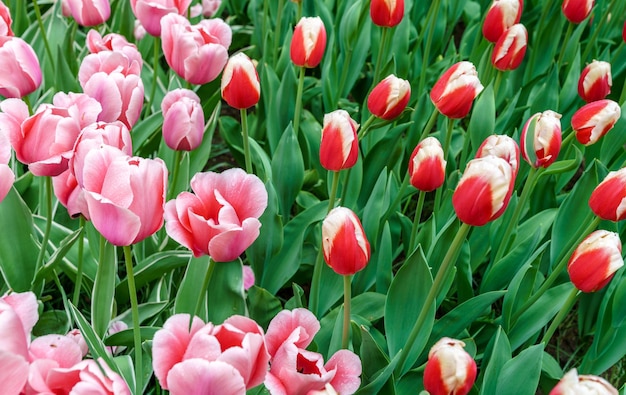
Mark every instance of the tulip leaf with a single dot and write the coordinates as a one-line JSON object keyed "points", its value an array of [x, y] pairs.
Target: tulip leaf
{"points": [[569, 91], [287, 171], [104, 289], [146, 311], [263, 306], [125, 337], [58, 255], [497, 354], [281, 108], [614, 141], [377, 203], [379, 380], [94, 342], [619, 301], [225, 292], [377, 361], [483, 121], [51, 322], [520, 375], [191, 285], [270, 238]]}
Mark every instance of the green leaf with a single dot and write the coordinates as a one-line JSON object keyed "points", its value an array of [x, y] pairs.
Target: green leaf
{"points": [[191, 285], [263, 306], [125, 338], [376, 358], [379, 379], [497, 354], [520, 375], [225, 290], [146, 311], [281, 108], [96, 347], [287, 170], [58, 255], [483, 121], [104, 289], [52, 322]]}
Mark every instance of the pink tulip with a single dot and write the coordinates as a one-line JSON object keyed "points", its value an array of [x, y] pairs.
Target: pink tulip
{"points": [[6, 174], [13, 372], [69, 194], [387, 13], [139, 31], [240, 82], [501, 146], [248, 277], [595, 81], [345, 245], [427, 167], [197, 53], [18, 315], [450, 369], [59, 348], [183, 120], [541, 139], [298, 325], [86, 377], [502, 15], [77, 336], [221, 218], [577, 11], [608, 200], [21, 73], [308, 42], [124, 192], [594, 120], [210, 377], [5, 20], [595, 261], [572, 383], [339, 148], [210, 7], [389, 98], [150, 12], [510, 49], [455, 91], [89, 12], [113, 42]]}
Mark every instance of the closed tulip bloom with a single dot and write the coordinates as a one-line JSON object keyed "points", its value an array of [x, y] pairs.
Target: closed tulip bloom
{"points": [[595, 261], [197, 53], [455, 91], [240, 82], [502, 15], [594, 120], [150, 12], [450, 369], [346, 249], [541, 139], [510, 49], [5, 20], [308, 42], [339, 148], [389, 98], [210, 7], [577, 10], [595, 81], [483, 191], [572, 383], [21, 73], [89, 12], [502, 146], [6, 174], [183, 120], [387, 13], [427, 167], [608, 200]]}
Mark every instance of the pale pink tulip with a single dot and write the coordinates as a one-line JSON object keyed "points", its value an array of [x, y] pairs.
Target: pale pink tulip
{"points": [[69, 194], [59, 348], [86, 377], [14, 112], [210, 7], [24, 304], [89, 12], [183, 120], [6, 174], [77, 336], [20, 73], [287, 322], [248, 277], [150, 12], [13, 372], [5, 20], [112, 42], [198, 376]]}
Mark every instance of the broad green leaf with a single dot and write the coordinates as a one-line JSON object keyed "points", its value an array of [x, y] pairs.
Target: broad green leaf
{"points": [[95, 344], [58, 255], [191, 285], [52, 322], [281, 108], [146, 311], [497, 354], [483, 119], [104, 289], [287, 170], [379, 380], [125, 337], [270, 238], [520, 375], [263, 306], [225, 292], [377, 361]]}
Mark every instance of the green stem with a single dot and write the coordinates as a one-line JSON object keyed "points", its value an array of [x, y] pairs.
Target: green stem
{"points": [[568, 34], [446, 149], [416, 220], [567, 306], [177, 159], [265, 14], [429, 124], [592, 43], [246, 143], [347, 296], [298, 110], [379, 59], [438, 283], [568, 139], [366, 127], [46, 234], [155, 72], [205, 286], [277, 40], [134, 306], [497, 82], [79, 262], [44, 37], [431, 32]]}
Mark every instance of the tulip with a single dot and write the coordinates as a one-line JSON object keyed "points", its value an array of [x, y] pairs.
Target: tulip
{"points": [[595, 81], [113, 42], [387, 13], [21, 73], [89, 12], [6, 174], [5, 20], [503, 147], [541, 139], [150, 12], [339, 148], [58, 348], [213, 377], [572, 383], [483, 191], [221, 218], [183, 120], [78, 337], [510, 48], [456, 89], [594, 120], [577, 10], [197, 53], [502, 15], [450, 369], [210, 7], [308, 42], [298, 326], [69, 193], [389, 98], [624, 32], [240, 82], [608, 200], [427, 167], [248, 277], [595, 261], [124, 192], [346, 249], [139, 31]]}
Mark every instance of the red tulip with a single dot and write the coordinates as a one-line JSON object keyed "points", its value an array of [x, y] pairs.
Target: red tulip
{"points": [[594, 120], [183, 120], [221, 218], [387, 13], [484, 190], [5, 20], [608, 200], [510, 49], [346, 249], [427, 167], [339, 148], [456, 89], [21, 73], [6, 174], [595, 81], [503, 147], [308, 42], [595, 261], [450, 369], [541, 139], [150, 12], [577, 10], [389, 98], [240, 82], [572, 383], [89, 12], [501, 15]]}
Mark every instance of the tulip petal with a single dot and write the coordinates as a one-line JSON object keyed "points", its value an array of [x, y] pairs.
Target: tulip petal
{"points": [[200, 377]]}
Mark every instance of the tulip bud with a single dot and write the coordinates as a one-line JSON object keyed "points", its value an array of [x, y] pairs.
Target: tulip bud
{"points": [[595, 81], [503, 147], [240, 82], [5, 21], [89, 12], [595, 261], [183, 120], [501, 15], [387, 13], [450, 369], [608, 200], [210, 7], [456, 89], [572, 383], [389, 98], [577, 10], [541, 139], [346, 249], [150, 12], [22, 74], [308, 42], [483, 191], [427, 167], [339, 148], [510, 48], [594, 120]]}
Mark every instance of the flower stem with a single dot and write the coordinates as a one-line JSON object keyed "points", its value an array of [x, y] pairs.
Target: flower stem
{"points": [[79, 262], [347, 296], [366, 127], [567, 306], [279, 22], [132, 291], [438, 282], [205, 286], [155, 73], [416, 220], [172, 187], [246, 144], [432, 19], [46, 234], [446, 149], [298, 110], [568, 34], [44, 37], [379, 59], [429, 124]]}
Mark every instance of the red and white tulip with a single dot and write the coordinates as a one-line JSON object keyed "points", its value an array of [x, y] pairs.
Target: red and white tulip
{"points": [[541, 139], [346, 249], [427, 166], [455, 91], [389, 97], [594, 120], [595, 260], [450, 369], [595, 81]]}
